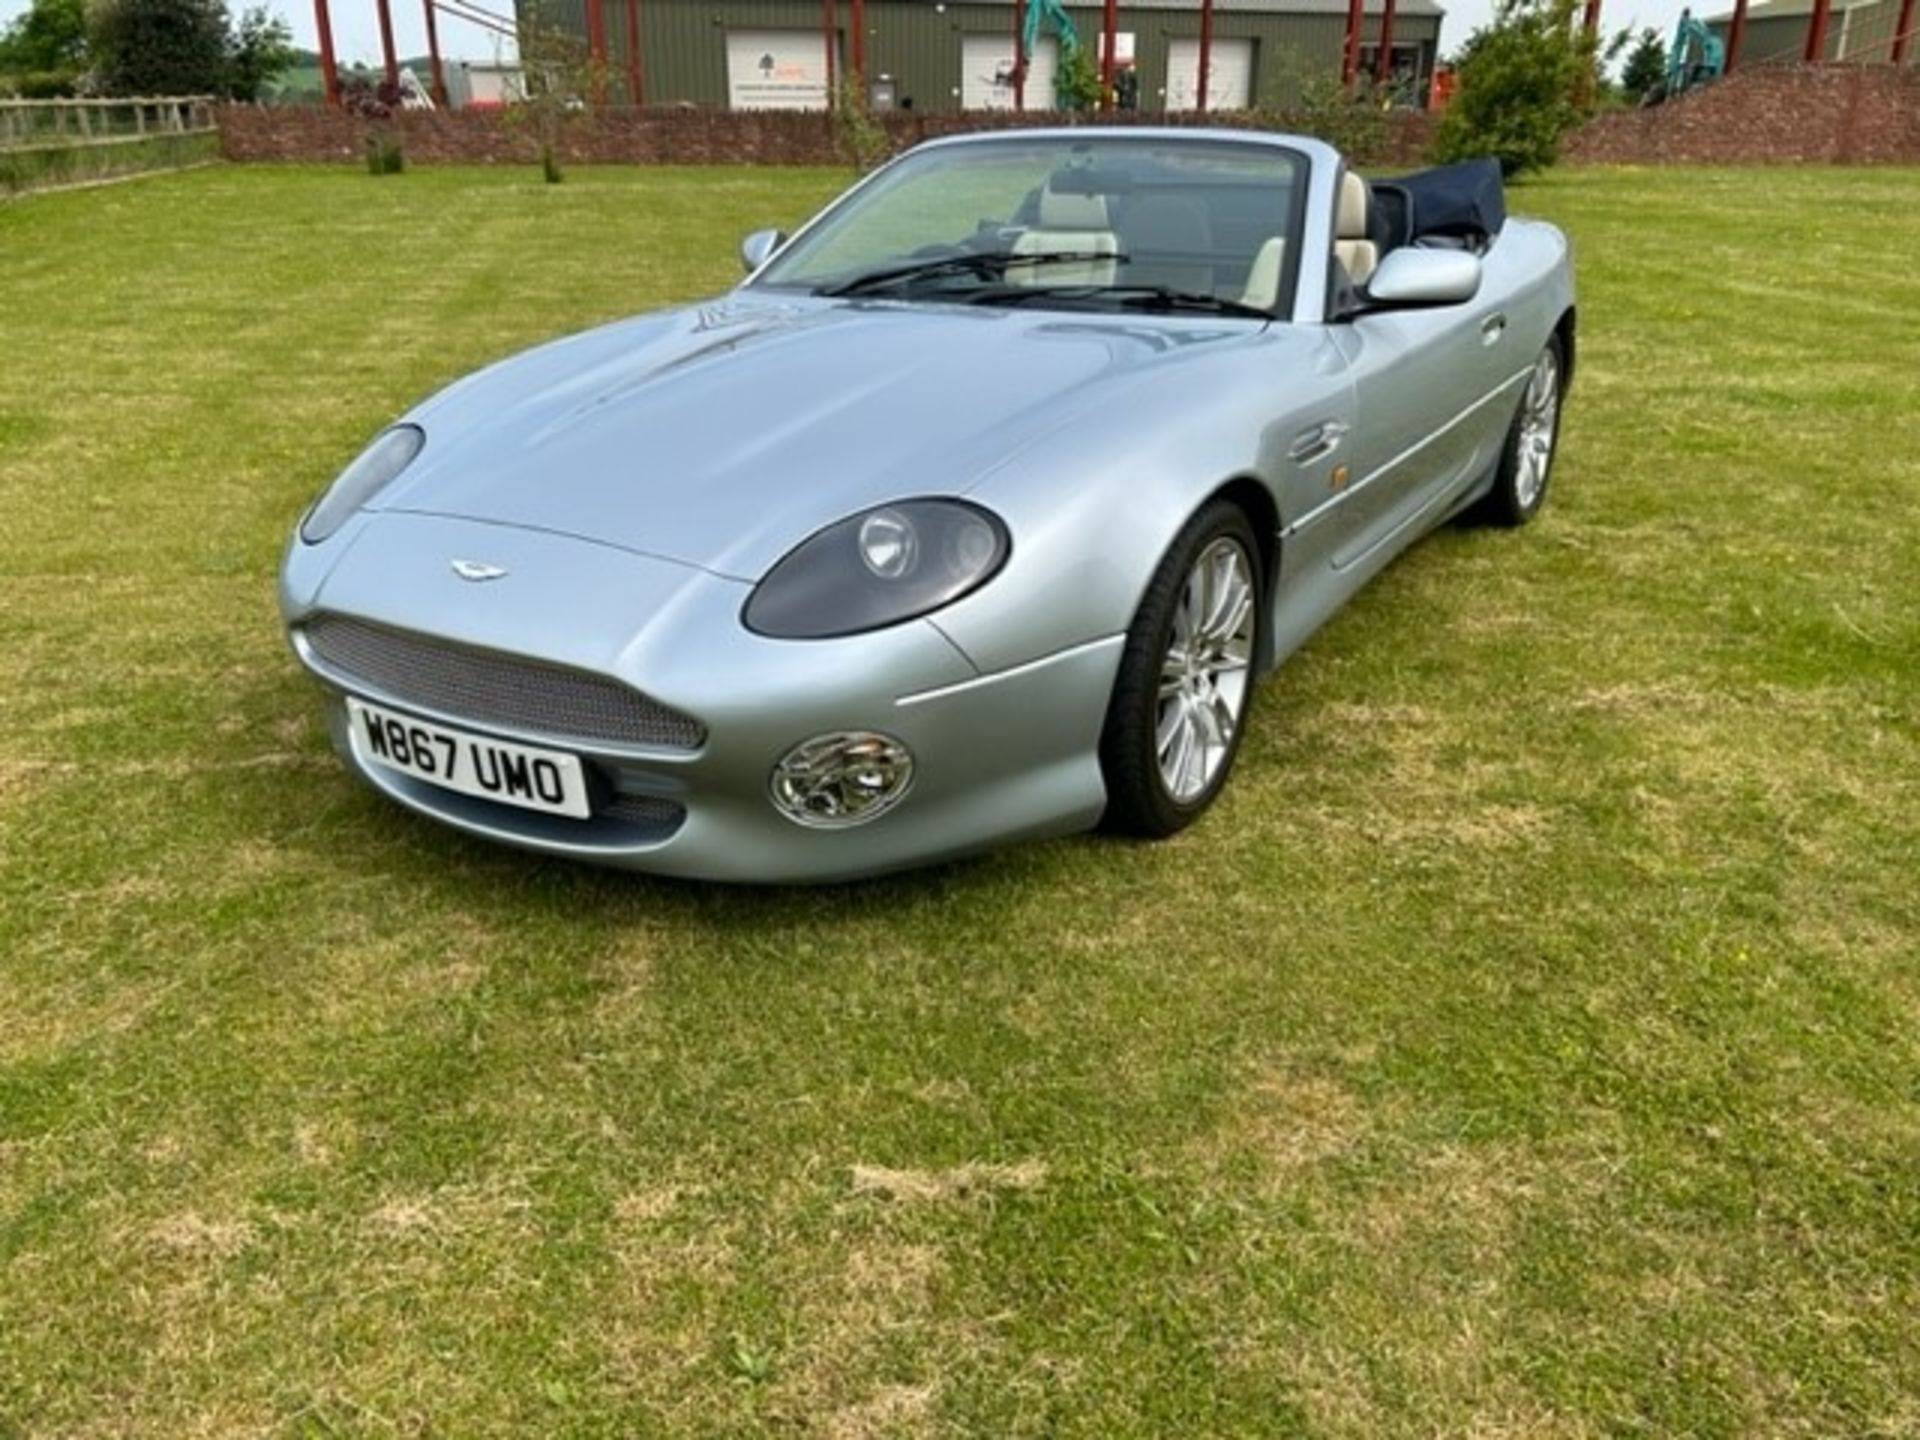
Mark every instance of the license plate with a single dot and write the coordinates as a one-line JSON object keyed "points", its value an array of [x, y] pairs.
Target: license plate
{"points": [[503, 770]]}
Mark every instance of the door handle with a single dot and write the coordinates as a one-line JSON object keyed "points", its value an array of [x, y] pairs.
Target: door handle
{"points": [[1320, 440], [1492, 328]]}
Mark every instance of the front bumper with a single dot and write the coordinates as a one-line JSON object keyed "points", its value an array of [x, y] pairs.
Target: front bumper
{"points": [[998, 757]]}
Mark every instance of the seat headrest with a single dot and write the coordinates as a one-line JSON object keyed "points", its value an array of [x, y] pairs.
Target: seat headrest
{"points": [[1064, 210], [1351, 221]]}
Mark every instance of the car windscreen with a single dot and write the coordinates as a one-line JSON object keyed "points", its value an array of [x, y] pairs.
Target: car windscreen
{"points": [[1065, 220]]}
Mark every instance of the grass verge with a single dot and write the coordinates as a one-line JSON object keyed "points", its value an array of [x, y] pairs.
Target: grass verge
{"points": [[1526, 1046]]}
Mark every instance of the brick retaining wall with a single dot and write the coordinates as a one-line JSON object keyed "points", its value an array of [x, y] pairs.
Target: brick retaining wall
{"points": [[656, 137], [1779, 114], [1771, 114]]}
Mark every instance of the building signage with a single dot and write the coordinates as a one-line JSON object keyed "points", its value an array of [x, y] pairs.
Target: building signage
{"points": [[776, 70]]}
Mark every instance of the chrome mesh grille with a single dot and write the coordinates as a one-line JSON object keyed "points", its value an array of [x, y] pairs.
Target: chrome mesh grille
{"points": [[487, 687]]}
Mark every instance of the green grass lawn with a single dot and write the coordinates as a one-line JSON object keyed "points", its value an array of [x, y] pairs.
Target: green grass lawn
{"points": [[1528, 1045]]}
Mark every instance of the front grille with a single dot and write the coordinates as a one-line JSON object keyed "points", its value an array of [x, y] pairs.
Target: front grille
{"points": [[487, 687], [646, 810]]}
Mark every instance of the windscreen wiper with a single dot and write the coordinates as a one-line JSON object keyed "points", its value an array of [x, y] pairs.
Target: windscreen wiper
{"points": [[978, 262], [1132, 297]]}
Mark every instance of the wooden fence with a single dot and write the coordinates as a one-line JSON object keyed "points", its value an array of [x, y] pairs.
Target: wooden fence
{"points": [[44, 143]]}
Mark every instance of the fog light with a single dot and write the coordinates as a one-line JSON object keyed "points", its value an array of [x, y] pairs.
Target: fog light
{"points": [[832, 781]]}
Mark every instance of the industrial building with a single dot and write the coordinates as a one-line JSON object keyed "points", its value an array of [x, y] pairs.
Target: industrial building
{"points": [[1864, 31], [946, 55]]}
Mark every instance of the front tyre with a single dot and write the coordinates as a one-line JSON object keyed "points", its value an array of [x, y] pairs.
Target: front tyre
{"points": [[1526, 464], [1180, 701]]}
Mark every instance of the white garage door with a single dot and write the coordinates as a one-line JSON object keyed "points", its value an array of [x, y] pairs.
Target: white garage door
{"points": [[986, 73], [1229, 74], [776, 70]]}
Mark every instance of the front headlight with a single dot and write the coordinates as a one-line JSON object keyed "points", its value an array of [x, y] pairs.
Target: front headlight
{"points": [[371, 471], [890, 564]]}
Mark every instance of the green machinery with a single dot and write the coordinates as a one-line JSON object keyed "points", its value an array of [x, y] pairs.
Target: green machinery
{"points": [[1695, 57], [1047, 12]]}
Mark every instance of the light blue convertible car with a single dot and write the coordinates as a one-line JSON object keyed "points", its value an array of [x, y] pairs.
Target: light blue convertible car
{"points": [[973, 514]]}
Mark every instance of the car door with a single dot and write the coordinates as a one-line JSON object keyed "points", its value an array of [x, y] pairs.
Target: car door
{"points": [[1420, 378]]}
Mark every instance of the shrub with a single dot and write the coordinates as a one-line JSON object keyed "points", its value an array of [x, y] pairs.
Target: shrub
{"points": [[41, 84], [861, 140], [1353, 123], [371, 98], [1076, 83], [1517, 87], [384, 156]]}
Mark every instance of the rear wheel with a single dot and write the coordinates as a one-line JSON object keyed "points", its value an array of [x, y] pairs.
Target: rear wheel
{"points": [[1526, 464], [1186, 676]]}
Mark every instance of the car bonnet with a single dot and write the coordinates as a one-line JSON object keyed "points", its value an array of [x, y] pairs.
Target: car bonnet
{"points": [[723, 434]]}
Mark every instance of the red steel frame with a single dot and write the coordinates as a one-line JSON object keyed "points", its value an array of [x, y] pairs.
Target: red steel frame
{"points": [[1383, 62], [1902, 33], [1736, 30], [1590, 27], [1206, 54], [1816, 50], [828, 20], [329, 72], [439, 91], [1350, 56], [1109, 22], [386, 42], [636, 95], [1019, 60], [597, 50]]}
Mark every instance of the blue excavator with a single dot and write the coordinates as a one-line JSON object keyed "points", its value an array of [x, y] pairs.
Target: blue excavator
{"points": [[1045, 12], [1695, 58]]}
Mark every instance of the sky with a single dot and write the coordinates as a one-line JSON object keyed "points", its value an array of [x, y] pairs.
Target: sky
{"points": [[356, 34]]}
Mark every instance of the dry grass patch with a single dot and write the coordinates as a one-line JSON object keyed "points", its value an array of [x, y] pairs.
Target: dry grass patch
{"points": [[67, 1017], [197, 1236], [892, 1410], [834, 1379], [497, 1209], [958, 1183], [1283, 1123]]}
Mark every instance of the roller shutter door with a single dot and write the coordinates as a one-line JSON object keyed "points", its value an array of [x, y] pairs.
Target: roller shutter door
{"points": [[1229, 74]]}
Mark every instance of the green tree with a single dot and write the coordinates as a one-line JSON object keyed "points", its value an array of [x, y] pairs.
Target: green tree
{"points": [[50, 36], [1076, 83], [187, 47], [559, 78], [1517, 79], [161, 47], [1646, 65], [258, 50]]}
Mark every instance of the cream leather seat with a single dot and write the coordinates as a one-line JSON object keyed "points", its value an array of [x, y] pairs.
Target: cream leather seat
{"points": [[1067, 222], [1263, 277], [1352, 248]]}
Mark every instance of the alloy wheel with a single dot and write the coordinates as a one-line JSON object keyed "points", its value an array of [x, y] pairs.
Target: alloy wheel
{"points": [[1206, 670], [1539, 419]]}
